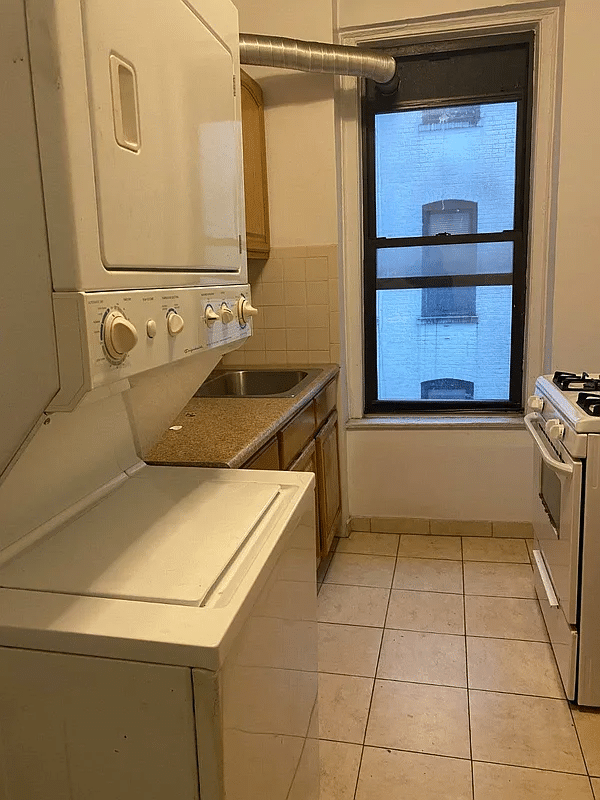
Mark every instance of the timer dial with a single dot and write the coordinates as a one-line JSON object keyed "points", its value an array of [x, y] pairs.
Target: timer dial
{"points": [[226, 314], [210, 316], [120, 336], [175, 323], [245, 310]]}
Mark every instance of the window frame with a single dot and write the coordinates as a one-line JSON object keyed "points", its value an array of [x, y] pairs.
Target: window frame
{"points": [[518, 235]]}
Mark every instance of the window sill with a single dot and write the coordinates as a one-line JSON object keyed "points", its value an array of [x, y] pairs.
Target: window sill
{"points": [[436, 421]]}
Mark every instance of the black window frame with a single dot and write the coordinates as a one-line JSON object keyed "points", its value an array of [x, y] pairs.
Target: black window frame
{"points": [[469, 91]]}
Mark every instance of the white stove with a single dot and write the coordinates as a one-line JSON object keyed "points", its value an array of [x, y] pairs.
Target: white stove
{"points": [[564, 422]]}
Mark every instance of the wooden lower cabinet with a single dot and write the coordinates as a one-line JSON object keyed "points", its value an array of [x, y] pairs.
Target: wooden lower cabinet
{"points": [[309, 443], [307, 462], [328, 481]]}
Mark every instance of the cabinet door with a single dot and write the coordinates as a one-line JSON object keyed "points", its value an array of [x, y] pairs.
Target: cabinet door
{"points": [[307, 462], [255, 169], [328, 477]]}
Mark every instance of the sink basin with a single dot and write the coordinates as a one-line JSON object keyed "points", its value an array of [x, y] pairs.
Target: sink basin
{"points": [[257, 383]]}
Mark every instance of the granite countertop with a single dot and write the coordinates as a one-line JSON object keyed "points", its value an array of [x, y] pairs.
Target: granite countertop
{"points": [[227, 431]]}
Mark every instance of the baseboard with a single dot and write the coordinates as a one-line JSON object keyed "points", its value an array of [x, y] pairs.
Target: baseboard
{"points": [[442, 527]]}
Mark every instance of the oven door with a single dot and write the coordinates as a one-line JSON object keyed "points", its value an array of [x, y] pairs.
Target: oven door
{"points": [[557, 506]]}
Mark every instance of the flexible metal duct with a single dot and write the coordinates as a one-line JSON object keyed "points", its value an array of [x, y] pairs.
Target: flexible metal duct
{"points": [[276, 51]]}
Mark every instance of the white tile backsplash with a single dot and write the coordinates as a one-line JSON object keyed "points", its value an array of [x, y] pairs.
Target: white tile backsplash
{"points": [[296, 292]]}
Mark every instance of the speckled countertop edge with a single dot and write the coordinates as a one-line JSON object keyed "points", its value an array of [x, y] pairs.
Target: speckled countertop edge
{"points": [[227, 431]]}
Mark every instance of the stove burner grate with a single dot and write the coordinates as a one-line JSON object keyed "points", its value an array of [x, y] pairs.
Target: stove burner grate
{"points": [[571, 381], [590, 403]]}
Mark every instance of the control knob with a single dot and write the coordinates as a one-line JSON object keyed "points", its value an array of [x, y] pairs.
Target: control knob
{"points": [[210, 316], [535, 403], [245, 310], [120, 336], [175, 323], [554, 429], [226, 314]]}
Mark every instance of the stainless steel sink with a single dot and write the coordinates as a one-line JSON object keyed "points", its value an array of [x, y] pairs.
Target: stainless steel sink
{"points": [[257, 383]]}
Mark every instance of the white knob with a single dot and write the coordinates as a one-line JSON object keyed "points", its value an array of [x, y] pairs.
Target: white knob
{"points": [[535, 403], [151, 329], [226, 314], [554, 429], [245, 310], [210, 316], [120, 335], [175, 323]]}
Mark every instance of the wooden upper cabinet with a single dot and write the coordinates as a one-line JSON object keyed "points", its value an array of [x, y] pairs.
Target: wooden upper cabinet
{"points": [[255, 169]]}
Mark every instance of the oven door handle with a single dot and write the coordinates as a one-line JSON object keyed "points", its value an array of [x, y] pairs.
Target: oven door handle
{"points": [[553, 463]]}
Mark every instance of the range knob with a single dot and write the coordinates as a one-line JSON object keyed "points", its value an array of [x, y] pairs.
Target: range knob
{"points": [[535, 403], [210, 316], [120, 336], [175, 323], [226, 314], [554, 429], [245, 310]]}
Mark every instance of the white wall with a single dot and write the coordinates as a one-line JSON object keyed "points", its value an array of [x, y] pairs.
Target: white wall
{"points": [[299, 122], [479, 474], [440, 474]]}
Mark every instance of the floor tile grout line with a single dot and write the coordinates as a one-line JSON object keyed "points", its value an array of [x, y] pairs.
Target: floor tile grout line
{"points": [[443, 686], [467, 669], [372, 694], [429, 591], [533, 769], [569, 702], [460, 758], [401, 589], [329, 565], [352, 553]]}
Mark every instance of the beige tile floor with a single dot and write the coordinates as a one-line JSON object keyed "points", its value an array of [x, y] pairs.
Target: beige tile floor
{"points": [[437, 681]]}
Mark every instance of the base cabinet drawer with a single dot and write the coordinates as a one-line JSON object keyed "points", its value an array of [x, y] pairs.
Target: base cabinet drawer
{"points": [[325, 402], [295, 435], [267, 458]]}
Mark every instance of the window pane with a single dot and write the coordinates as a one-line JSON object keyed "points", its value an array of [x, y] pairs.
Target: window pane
{"points": [[487, 258], [437, 358], [425, 156]]}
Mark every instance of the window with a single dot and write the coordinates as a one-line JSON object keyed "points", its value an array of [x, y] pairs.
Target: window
{"points": [[450, 217], [452, 117], [446, 162], [447, 387]]}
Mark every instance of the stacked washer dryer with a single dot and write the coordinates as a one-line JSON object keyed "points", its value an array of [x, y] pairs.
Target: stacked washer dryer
{"points": [[157, 625]]}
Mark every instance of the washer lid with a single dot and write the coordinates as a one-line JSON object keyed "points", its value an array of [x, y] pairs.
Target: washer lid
{"points": [[164, 536]]}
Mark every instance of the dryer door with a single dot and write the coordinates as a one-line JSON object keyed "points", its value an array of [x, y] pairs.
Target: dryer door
{"points": [[165, 136]]}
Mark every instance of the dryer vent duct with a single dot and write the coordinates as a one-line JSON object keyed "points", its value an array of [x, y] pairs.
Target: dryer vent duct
{"points": [[276, 51]]}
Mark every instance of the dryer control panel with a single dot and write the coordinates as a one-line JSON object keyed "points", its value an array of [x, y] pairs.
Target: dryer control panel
{"points": [[104, 337]]}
